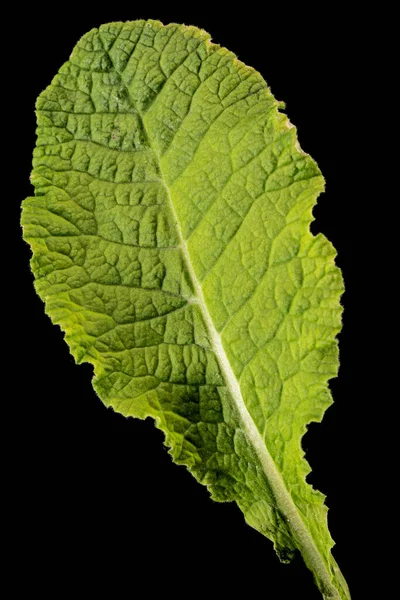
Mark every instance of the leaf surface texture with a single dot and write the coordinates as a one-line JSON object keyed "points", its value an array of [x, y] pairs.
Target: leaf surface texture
{"points": [[170, 231]]}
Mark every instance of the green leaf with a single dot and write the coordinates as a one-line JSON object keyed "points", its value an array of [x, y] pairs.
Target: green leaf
{"points": [[170, 231]]}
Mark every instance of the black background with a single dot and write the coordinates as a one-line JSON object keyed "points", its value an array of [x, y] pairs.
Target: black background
{"points": [[96, 497]]}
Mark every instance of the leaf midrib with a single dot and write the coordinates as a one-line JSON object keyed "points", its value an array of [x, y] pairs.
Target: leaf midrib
{"points": [[302, 536]]}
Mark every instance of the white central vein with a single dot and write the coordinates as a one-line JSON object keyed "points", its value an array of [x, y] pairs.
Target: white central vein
{"points": [[283, 498]]}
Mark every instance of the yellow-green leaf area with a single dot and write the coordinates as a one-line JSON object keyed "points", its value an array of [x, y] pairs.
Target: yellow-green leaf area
{"points": [[170, 231]]}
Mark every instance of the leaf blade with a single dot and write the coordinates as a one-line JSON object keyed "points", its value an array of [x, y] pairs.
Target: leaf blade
{"points": [[188, 178]]}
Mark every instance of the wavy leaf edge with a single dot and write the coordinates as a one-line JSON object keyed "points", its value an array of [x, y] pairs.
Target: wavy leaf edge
{"points": [[328, 577]]}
